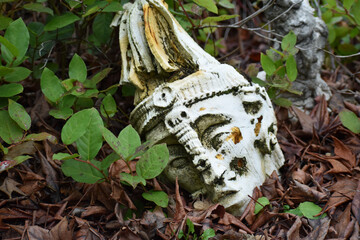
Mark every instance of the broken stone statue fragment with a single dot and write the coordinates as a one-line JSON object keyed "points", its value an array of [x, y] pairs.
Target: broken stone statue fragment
{"points": [[298, 16], [220, 129]]}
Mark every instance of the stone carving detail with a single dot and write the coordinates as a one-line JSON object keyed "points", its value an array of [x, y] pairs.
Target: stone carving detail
{"points": [[311, 35], [220, 129]]}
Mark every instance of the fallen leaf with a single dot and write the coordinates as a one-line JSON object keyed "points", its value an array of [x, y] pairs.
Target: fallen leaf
{"points": [[293, 232], [344, 152], [355, 206], [94, 210], [9, 186], [321, 227], [305, 120]]}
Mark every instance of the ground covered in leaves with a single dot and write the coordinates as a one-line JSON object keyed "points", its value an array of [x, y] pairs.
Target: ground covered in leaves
{"points": [[322, 166]]}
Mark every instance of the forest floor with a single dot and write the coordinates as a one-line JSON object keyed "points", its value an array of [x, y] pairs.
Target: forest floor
{"points": [[322, 166]]}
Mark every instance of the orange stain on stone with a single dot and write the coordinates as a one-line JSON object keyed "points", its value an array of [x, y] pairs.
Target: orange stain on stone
{"points": [[219, 156], [235, 135]]}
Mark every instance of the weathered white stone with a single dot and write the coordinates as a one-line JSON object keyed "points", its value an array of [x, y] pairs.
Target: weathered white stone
{"points": [[220, 128], [298, 16]]}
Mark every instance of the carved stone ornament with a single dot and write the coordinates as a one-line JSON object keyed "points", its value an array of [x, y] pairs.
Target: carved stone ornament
{"points": [[220, 129]]}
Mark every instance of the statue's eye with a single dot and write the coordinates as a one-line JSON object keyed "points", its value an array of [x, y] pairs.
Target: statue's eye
{"points": [[206, 125]]}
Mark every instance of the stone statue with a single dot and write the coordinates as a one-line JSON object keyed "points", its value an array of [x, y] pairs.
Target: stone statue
{"points": [[298, 16], [220, 129]]}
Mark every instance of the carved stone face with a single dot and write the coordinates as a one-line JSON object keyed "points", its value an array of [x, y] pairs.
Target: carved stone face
{"points": [[220, 133]]}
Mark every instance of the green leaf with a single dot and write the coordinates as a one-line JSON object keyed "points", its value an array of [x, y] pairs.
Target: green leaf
{"points": [[77, 69], [260, 204], [90, 143], [291, 69], [4, 22], [91, 10], [113, 141], [5, 71], [18, 74], [76, 126], [38, 7], [63, 113], [64, 156], [267, 64], [11, 89], [113, 7], [190, 225], [18, 34], [350, 121], [309, 209], [160, 198], [51, 85], [101, 27], [61, 21], [208, 233], [208, 4], [18, 113], [348, 3], [283, 102], [10, 132], [9, 46], [97, 78], [355, 11], [130, 141], [108, 106], [153, 162], [289, 41], [81, 171], [105, 164], [295, 211], [41, 137], [132, 180], [226, 4], [259, 81], [218, 18], [20, 159]]}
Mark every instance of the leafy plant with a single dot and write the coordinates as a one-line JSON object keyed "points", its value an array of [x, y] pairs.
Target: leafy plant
{"points": [[86, 129], [77, 91], [306, 209], [343, 22], [208, 233], [281, 70]]}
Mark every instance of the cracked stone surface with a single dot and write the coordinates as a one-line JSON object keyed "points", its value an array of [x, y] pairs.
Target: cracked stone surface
{"points": [[220, 129], [311, 35]]}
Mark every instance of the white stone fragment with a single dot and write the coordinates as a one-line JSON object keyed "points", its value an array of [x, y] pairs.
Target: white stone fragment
{"points": [[220, 129]]}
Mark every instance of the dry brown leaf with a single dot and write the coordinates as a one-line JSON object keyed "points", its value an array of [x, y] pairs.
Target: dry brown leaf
{"points": [[180, 211], [125, 234], [63, 230], [321, 227], [344, 152], [228, 219], [307, 193], [337, 167], [94, 210], [293, 232], [343, 221], [119, 195], [301, 176], [306, 121], [355, 206], [9, 186]]}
